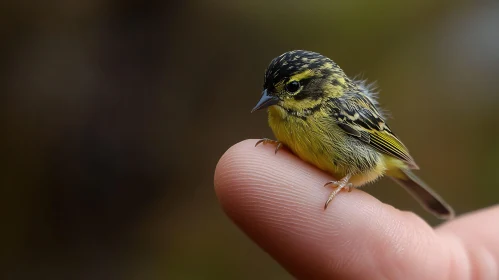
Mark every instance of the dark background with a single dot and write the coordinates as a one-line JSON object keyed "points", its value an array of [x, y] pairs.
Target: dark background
{"points": [[113, 115]]}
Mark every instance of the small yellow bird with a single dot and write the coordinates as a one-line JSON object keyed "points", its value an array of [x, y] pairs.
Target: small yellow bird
{"points": [[333, 122]]}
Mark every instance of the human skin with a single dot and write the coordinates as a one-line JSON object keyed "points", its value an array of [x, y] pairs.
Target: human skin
{"points": [[277, 200]]}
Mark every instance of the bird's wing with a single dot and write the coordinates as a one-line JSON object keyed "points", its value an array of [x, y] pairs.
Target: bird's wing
{"points": [[359, 118]]}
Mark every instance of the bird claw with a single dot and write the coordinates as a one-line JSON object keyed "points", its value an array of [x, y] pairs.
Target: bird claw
{"points": [[270, 141], [340, 185]]}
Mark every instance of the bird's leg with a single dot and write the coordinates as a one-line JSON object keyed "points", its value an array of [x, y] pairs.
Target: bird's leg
{"points": [[342, 184], [270, 141]]}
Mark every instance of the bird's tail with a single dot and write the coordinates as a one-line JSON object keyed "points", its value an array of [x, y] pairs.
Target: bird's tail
{"points": [[430, 200]]}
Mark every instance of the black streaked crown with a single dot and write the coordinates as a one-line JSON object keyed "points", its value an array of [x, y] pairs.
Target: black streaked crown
{"points": [[290, 63]]}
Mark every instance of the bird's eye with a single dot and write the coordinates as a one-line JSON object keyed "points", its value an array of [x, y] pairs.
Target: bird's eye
{"points": [[294, 86]]}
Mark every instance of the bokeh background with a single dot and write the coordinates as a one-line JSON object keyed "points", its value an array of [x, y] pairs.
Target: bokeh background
{"points": [[113, 115]]}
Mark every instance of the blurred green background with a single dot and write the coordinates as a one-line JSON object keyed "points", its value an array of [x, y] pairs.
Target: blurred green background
{"points": [[113, 115]]}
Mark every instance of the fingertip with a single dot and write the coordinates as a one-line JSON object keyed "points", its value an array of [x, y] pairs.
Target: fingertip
{"points": [[278, 200], [230, 170]]}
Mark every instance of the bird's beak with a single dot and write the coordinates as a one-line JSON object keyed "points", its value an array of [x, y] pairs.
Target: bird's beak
{"points": [[265, 101]]}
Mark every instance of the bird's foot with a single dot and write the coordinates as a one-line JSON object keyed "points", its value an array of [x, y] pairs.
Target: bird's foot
{"points": [[270, 141], [340, 185]]}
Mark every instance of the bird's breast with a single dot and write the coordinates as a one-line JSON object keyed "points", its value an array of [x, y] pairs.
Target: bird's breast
{"points": [[306, 138], [319, 141]]}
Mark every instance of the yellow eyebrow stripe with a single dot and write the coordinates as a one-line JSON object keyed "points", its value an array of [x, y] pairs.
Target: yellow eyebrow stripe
{"points": [[302, 75]]}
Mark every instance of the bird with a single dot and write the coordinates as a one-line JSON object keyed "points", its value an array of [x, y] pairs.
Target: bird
{"points": [[336, 124]]}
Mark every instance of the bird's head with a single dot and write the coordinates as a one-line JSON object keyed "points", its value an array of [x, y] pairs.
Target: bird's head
{"points": [[299, 80]]}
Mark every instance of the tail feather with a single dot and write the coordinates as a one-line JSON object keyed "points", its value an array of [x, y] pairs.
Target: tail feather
{"points": [[430, 200]]}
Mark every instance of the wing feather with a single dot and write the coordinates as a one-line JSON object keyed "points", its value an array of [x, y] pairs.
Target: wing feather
{"points": [[359, 118]]}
